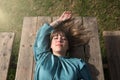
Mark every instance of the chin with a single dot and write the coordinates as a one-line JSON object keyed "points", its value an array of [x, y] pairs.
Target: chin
{"points": [[59, 50]]}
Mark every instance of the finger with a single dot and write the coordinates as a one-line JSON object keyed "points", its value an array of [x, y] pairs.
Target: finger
{"points": [[69, 16], [68, 12], [64, 12]]}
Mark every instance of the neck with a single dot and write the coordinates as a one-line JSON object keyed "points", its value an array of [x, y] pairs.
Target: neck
{"points": [[59, 54]]}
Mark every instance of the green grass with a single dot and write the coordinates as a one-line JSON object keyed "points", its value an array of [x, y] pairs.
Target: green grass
{"points": [[12, 13]]}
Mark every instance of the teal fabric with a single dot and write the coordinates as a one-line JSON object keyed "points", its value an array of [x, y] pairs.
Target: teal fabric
{"points": [[51, 67]]}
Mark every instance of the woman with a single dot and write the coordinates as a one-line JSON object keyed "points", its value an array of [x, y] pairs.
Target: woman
{"points": [[50, 48]]}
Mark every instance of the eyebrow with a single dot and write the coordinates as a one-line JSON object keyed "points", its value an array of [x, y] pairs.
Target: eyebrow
{"points": [[60, 35]]}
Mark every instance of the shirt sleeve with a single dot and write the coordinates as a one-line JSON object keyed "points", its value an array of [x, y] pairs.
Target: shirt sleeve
{"points": [[85, 73], [42, 41]]}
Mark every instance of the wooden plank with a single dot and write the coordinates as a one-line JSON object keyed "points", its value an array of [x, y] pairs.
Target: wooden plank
{"points": [[26, 64], [78, 52], [41, 20], [25, 60], [112, 45], [6, 42], [93, 49]]}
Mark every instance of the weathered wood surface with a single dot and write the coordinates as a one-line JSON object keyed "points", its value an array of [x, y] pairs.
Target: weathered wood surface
{"points": [[25, 60], [25, 67], [112, 45], [6, 41], [93, 49]]}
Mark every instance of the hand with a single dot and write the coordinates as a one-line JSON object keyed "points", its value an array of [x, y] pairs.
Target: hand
{"points": [[65, 16]]}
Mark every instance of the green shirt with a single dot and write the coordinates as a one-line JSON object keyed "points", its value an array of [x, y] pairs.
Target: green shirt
{"points": [[51, 67]]}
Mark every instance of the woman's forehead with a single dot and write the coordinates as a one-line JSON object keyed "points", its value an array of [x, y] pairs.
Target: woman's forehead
{"points": [[56, 33], [59, 34]]}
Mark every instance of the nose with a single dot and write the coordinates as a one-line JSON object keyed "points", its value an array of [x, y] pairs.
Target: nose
{"points": [[59, 38]]}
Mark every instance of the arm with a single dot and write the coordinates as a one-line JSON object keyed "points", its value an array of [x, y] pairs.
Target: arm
{"points": [[42, 42]]}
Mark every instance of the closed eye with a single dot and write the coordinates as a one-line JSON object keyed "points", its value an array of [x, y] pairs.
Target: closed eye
{"points": [[64, 38], [55, 37]]}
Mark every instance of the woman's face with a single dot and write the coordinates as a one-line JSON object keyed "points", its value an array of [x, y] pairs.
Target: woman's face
{"points": [[59, 44]]}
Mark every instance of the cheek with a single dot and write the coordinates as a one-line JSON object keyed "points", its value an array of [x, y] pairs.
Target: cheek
{"points": [[52, 43]]}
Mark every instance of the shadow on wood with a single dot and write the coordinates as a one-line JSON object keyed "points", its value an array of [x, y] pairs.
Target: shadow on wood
{"points": [[83, 52]]}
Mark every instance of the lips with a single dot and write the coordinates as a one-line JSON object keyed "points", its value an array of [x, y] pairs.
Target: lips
{"points": [[58, 44]]}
